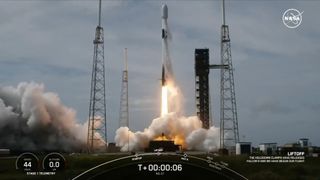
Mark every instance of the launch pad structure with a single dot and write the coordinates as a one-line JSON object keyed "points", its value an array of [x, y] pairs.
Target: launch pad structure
{"points": [[229, 132], [202, 69], [97, 127]]}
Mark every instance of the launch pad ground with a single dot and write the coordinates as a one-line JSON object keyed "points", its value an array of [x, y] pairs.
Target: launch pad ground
{"points": [[167, 166]]}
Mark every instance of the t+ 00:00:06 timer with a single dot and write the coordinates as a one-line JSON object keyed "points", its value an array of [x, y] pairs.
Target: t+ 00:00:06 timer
{"points": [[160, 167]]}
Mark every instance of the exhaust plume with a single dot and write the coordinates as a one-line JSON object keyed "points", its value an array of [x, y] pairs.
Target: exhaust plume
{"points": [[164, 100], [34, 120], [186, 131]]}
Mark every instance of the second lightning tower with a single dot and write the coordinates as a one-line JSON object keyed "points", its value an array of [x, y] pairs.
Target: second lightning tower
{"points": [[97, 127], [124, 101], [229, 133]]}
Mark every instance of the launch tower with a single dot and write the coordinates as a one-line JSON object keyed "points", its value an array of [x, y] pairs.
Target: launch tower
{"points": [[202, 70], [97, 127], [229, 133], [124, 104]]}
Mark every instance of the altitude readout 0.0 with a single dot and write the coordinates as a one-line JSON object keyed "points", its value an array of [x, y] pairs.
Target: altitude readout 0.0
{"points": [[160, 167]]}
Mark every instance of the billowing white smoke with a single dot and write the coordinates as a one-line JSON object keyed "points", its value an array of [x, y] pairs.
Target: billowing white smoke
{"points": [[31, 119], [203, 139], [186, 131]]}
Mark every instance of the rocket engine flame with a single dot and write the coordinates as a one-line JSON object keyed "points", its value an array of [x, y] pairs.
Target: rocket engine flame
{"points": [[164, 101]]}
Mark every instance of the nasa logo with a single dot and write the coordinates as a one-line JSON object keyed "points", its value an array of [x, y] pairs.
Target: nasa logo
{"points": [[292, 18]]}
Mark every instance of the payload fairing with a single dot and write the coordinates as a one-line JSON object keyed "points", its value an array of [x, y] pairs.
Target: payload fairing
{"points": [[164, 21]]}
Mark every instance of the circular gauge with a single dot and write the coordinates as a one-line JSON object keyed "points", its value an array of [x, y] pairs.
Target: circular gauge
{"points": [[53, 162], [27, 162]]}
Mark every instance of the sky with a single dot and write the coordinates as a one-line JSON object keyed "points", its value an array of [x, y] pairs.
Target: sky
{"points": [[277, 76]]}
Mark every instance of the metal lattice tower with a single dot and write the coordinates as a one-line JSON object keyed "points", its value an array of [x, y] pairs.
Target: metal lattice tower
{"points": [[229, 133], [97, 127], [124, 103]]}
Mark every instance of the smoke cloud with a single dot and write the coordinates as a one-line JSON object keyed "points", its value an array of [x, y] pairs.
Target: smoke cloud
{"points": [[35, 120], [186, 131]]}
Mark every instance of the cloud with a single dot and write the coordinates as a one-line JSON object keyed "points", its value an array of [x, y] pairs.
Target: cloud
{"points": [[272, 107]]}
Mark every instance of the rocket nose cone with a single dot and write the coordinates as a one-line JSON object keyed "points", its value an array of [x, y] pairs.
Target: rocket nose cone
{"points": [[164, 11]]}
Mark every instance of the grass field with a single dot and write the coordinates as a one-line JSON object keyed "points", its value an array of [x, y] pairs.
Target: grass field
{"points": [[309, 170]]}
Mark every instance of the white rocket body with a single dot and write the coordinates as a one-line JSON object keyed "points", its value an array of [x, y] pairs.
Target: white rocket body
{"points": [[166, 62]]}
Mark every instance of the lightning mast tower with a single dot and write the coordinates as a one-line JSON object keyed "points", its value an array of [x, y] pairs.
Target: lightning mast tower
{"points": [[124, 104], [97, 127], [229, 133]]}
